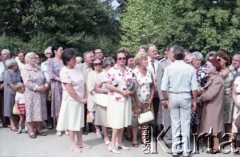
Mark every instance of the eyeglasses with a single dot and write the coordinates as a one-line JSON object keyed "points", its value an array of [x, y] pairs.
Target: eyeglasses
{"points": [[121, 58], [97, 64]]}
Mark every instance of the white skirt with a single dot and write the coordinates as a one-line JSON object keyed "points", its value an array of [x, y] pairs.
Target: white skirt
{"points": [[101, 116], [119, 114], [71, 116]]}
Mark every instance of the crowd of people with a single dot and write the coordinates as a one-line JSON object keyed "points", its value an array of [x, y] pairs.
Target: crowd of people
{"points": [[181, 89]]}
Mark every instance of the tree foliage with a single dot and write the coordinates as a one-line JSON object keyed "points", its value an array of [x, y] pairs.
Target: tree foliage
{"points": [[73, 23], [201, 25]]}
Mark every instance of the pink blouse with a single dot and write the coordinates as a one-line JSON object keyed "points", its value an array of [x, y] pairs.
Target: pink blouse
{"points": [[75, 77]]}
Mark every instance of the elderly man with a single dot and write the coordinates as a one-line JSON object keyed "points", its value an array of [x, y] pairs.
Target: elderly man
{"points": [[86, 67], [5, 54], [152, 52], [235, 63], [179, 80], [164, 113]]}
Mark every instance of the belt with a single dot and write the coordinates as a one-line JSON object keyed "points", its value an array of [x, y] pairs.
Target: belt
{"points": [[179, 92]]}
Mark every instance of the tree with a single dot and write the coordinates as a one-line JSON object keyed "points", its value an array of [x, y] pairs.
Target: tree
{"points": [[72, 23], [195, 24]]}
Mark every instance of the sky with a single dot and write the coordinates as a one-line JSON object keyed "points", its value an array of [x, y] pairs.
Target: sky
{"points": [[115, 4]]}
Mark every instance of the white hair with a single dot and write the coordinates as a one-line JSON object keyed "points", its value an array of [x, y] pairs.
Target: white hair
{"points": [[196, 55], [79, 59], [7, 51], [28, 55], [10, 62], [48, 49]]}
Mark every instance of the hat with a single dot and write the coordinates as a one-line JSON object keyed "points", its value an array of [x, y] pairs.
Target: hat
{"points": [[216, 64]]}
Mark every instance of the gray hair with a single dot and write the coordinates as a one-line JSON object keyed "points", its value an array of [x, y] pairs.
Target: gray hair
{"points": [[48, 50], [178, 52], [108, 61], [7, 51], [79, 59], [214, 70], [211, 53], [28, 55], [10, 62], [85, 54], [196, 55]]}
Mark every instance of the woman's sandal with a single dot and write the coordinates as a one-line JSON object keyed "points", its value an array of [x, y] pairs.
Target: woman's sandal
{"points": [[135, 144], [41, 133], [213, 151], [32, 135], [59, 133], [13, 128]]}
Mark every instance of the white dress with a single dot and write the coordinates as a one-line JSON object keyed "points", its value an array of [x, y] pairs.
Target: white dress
{"points": [[119, 111], [101, 112], [71, 116]]}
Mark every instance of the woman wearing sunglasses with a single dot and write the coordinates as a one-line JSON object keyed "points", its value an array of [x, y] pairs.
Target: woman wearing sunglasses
{"points": [[119, 107], [227, 76], [92, 77]]}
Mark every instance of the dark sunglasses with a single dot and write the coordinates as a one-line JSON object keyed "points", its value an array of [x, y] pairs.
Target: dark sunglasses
{"points": [[121, 58], [97, 64]]}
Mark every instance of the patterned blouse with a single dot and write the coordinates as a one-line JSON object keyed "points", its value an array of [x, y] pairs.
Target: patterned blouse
{"points": [[120, 81], [202, 77], [144, 82]]}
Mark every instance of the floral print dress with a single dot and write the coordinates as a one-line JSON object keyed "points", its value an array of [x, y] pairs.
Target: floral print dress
{"points": [[119, 110]]}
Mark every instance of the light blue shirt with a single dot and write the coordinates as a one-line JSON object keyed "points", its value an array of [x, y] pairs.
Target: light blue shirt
{"points": [[2, 69], [179, 77]]}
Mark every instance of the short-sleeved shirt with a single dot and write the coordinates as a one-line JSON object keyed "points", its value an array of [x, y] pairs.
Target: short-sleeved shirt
{"points": [[44, 69], [20, 98], [75, 78], [179, 77], [102, 77], [119, 80], [144, 84]]}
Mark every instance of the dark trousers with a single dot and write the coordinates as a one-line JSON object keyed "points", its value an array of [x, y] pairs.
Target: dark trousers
{"points": [[5, 120], [156, 103]]}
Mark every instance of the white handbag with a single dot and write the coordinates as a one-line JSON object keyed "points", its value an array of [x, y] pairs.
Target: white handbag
{"points": [[15, 109], [145, 117], [100, 99]]}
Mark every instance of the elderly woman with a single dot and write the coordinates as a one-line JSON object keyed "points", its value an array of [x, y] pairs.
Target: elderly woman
{"points": [[100, 87], [227, 76], [212, 101], [144, 93], [54, 65], [71, 116], [35, 95], [92, 77], [44, 69], [211, 55], [119, 108], [195, 60], [11, 77]]}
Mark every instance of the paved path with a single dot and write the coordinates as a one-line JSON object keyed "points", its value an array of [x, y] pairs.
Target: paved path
{"points": [[20, 145]]}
